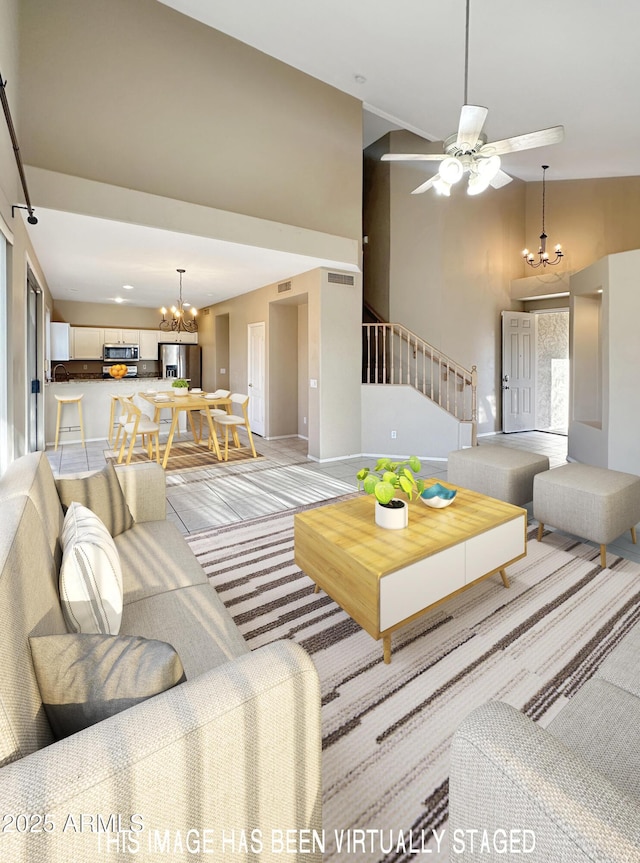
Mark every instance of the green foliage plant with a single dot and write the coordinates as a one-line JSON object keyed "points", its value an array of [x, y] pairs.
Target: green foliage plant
{"points": [[179, 383], [389, 477]]}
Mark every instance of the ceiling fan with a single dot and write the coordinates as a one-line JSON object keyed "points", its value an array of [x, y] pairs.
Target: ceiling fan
{"points": [[468, 151]]}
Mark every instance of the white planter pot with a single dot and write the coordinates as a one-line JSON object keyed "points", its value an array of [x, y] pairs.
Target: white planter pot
{"points": [[392, 519]]}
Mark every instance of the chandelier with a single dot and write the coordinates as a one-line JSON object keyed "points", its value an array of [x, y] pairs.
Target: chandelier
{"points": [[180, 320], [543, 255]]}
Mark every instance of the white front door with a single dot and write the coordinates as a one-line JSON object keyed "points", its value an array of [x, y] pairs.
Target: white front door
{"points": [[518, 371], [256, 382]]}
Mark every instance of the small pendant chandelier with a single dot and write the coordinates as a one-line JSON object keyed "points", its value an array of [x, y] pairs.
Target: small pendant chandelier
{"points": [[180, 320], [543, 255]]}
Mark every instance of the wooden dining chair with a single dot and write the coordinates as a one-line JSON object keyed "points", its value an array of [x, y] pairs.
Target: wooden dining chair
{"points": [[218, 394], [233, 421], [138, 424]]}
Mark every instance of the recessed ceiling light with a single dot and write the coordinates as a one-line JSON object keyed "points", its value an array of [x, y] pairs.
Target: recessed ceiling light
{"points": [[128, 287], [360, 79], [118, 300]]}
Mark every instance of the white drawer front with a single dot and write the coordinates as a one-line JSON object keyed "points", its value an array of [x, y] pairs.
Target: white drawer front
{"points": [[492, 549], [413, 588]]}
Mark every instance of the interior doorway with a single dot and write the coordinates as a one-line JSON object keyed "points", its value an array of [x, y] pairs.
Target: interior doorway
{"points": [[35, 364], [552, 371], [535, 371]]}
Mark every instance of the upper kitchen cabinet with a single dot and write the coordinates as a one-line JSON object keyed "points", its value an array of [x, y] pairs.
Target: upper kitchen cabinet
{"points": [[121, 337], [86, 343], [174, 338], [60, 340], [149, 344]]}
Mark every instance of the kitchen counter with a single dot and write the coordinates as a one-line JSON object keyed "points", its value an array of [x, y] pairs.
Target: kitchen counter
{"points": [[96, 405], [137, 382]]}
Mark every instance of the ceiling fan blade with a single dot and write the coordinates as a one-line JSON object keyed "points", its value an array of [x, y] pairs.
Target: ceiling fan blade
{"points": [[500, 179], [425, 186], [472, 119], [412, 157], [544, 137]]}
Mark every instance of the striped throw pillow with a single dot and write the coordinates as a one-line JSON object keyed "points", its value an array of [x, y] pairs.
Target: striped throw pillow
{"points": [[90, 574]]}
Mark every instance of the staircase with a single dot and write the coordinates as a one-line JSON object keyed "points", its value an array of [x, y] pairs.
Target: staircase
{"points": [[393, 355]]}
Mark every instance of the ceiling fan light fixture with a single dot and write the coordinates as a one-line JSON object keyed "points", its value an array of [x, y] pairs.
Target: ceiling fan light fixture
{"points": [[478, 184], [442, 187], [489, 167], [451, 170]]}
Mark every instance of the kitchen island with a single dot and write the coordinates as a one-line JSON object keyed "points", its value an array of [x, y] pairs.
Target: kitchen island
{"points": [[96, 406]]}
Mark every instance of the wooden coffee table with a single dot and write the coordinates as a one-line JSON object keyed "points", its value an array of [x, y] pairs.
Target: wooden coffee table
{"points": [[385, 578]]}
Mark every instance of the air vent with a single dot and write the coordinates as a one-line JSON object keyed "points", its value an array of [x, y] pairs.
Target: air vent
{"points": [[340, 279], [205, 311], [284, 286]]}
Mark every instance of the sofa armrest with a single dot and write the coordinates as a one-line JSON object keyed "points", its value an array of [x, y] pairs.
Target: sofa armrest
{"points": [[230, 756], [144, 487], [517, 786]]}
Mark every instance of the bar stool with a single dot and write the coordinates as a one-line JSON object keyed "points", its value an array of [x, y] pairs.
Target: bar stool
{"points": [[115, 400], [69, 400]]}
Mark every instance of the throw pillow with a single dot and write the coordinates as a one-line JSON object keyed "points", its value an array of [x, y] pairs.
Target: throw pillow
{"points": [[86, 678], [90, 574], [101, 493]]}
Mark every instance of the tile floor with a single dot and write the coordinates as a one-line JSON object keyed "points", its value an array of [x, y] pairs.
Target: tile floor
{"points": [[287, 478]]}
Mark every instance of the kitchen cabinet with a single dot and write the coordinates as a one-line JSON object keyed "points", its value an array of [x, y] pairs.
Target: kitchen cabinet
{"points": [[149, 344], [173, 338], [60, 340], [86, 343], [121, 337]]}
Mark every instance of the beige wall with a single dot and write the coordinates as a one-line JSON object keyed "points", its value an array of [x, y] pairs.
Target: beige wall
{"points": [[146, 98], [331, 357], [106, 315], [590, 218]]}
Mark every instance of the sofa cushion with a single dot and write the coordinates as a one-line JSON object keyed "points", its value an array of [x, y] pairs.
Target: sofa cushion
{"points": [[600, 723], [86, 678], [90, 575], [32, 476], [192, 619], [155, 558], [29, 605], [100, 492]]}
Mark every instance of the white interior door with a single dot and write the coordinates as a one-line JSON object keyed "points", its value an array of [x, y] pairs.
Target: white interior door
{"points": [[518, 371], [256, 383]]}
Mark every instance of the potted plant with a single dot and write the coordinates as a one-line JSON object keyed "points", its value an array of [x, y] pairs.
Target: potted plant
{"points": [[181, 387], [385, 480]]}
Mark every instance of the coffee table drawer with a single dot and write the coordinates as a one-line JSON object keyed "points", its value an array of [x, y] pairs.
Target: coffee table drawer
{"points": [[495, 548], [407, 591]]}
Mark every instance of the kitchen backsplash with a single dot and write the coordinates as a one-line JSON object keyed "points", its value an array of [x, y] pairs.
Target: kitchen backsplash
{"points": [[92, 369]]}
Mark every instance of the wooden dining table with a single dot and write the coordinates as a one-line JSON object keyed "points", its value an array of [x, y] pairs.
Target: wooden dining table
{"points": [[190, 402]]}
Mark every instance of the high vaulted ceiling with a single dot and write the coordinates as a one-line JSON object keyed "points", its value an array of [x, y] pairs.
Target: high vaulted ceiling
{"points": [[574, 63], [533, 65]]}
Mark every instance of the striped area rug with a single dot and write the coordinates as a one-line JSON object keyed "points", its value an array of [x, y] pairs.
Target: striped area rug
{"points": [[387, 728], [187, 455]]}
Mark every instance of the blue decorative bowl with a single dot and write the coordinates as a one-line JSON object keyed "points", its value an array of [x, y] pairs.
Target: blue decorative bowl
{"points": [[438, 496]]}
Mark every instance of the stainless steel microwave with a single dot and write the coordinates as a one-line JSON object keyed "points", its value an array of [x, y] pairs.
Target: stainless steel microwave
{"points": [[121, 352]]}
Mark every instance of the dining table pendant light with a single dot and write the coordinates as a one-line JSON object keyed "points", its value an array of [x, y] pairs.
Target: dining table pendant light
{"points": [[183, 315], [543, 256]]}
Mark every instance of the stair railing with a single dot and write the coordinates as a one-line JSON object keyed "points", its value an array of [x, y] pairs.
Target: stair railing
{"points": [[392, 354]]}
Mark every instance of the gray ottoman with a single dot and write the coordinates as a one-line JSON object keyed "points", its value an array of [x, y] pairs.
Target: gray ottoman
{"points": [[590, 502], [497, 471]]}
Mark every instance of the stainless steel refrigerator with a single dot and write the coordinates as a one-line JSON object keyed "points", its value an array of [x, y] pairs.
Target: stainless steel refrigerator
{"points": [[181, 361]]}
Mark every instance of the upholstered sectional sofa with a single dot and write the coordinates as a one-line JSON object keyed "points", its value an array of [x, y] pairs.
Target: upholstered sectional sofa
{"points": [[563, 794], [226, 763]]}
